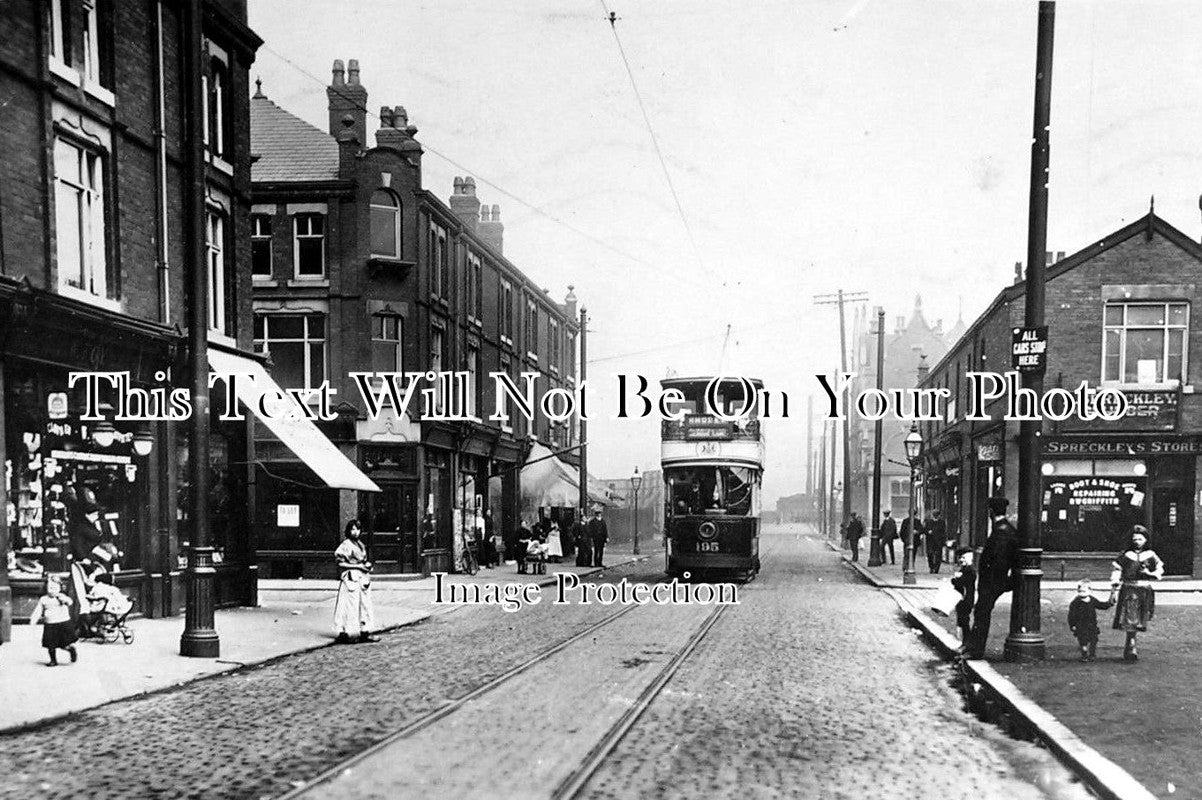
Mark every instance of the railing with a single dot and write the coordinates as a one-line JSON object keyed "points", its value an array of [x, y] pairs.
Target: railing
{"points": [[705, 428]]}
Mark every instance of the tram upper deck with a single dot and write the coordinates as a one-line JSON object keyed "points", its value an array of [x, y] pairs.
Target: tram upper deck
{"points": [[720, 426]]}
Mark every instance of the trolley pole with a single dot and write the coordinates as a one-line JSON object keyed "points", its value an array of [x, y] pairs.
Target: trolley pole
{"points": [[875, 556], [1025, 641]]}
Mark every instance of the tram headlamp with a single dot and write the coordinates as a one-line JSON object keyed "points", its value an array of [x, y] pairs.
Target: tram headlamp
{"points": [[707, 530]]}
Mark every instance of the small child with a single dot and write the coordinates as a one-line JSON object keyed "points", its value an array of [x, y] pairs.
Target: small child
{"points": [[964, 581], [53, 609], [1083, 619]]}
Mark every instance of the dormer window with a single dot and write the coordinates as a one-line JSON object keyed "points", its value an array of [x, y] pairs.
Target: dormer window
{"points": [[385, 224]]}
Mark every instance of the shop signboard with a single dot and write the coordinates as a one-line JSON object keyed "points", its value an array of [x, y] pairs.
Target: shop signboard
{"points": [[287, 515], [1029, 349], [989, 451], [1147, 410], [1120, 446]]}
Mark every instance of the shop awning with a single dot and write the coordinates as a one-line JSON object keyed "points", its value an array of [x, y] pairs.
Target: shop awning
{"points": [[300, 435], [548, 482]]}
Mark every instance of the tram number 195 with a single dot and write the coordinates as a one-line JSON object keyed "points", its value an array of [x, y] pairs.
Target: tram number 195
{"points": [[707, 547]]}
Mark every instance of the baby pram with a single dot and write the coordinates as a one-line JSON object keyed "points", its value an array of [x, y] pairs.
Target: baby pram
{"points": [[104, 611]]}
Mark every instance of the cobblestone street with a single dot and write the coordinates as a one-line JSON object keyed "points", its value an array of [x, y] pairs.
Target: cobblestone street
{"points": [[811, 687]]}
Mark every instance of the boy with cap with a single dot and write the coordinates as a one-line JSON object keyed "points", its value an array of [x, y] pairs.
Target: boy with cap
{"points": [[1083, 619]]}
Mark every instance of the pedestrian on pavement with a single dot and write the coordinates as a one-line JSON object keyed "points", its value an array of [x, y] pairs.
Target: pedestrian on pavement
{"points": [[1134, 570], [554, 543], [1083, 618], [936, 539], [53, 610], [995, 574], [353, 614], [584, 545], [964, 581], [488, 555], [911, 536], [855, 532], [888, 534], [522, 546], [598, 534]]}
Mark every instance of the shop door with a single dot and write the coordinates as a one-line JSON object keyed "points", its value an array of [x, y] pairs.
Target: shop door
{"points": [[1173, 528], [390, 517]]}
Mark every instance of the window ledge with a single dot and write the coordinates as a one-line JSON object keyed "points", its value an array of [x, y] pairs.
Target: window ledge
{"points": [[311, 282], [89, 298], [1141, 387], [222, 338], [221, 165], [69, 74], [264, 281], [384, 265], [100, 93]]}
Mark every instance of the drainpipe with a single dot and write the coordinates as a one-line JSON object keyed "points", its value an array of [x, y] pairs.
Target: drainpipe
{"points": [[160, 178]]}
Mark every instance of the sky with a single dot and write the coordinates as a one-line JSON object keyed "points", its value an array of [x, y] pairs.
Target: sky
{"points": [[878, 147]]}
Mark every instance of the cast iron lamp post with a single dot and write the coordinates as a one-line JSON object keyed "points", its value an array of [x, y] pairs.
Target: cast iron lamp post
{"points": [[913, 444], [636, 480]]}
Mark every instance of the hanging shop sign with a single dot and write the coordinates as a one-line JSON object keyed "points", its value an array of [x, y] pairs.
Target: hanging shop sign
{"points": [[989, 451], [1029, 349]]}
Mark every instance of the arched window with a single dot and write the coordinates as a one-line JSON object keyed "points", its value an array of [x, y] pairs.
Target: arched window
{"points": [[385, 224]]}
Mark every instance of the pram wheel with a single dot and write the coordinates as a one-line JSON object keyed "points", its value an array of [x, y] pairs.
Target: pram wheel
{"points": [[127, 635], [110, 635]]}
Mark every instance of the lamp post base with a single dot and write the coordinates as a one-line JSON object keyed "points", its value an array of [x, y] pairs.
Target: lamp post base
{"points": [[875, 558], [200, 639], [1025, 647]]}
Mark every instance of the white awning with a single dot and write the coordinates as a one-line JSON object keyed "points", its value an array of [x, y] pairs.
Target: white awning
{"points": [[300, 435]]}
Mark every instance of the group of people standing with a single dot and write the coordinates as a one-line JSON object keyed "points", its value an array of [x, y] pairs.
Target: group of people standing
{"points": [[929, 535], [996, 572]]}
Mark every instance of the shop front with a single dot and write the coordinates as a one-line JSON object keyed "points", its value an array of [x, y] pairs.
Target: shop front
{"points": [[1096, 488]]}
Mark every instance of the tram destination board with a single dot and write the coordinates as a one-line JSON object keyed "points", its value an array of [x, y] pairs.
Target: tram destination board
{"points": [[1029, 349]]}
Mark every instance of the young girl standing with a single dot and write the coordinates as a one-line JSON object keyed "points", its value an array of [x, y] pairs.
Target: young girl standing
{"points": [[53, 609]]}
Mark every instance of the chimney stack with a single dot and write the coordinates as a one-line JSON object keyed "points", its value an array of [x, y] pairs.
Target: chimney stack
{"points": [[923, 368], [1018, 272], [464, 202], [490, 228], [396, 132], [347, 97]]}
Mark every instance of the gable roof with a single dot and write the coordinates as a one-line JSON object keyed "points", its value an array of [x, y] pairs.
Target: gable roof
{"points": [[1146, 225], [287, 147]]}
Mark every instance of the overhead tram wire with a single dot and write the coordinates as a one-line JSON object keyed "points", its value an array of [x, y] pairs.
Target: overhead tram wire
{"points": [[479, 178], [612, 18]]}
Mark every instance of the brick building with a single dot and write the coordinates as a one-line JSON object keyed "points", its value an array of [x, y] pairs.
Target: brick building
{"points": [[1120, 314], [94, 254], [359, 269]]}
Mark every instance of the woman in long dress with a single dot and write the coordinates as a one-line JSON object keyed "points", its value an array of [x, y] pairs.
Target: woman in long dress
{"points": [[1134, 570], [554, 543], [353, 614]]}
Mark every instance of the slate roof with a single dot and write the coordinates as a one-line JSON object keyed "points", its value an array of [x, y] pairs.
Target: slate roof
{"points": [[289, 149]]}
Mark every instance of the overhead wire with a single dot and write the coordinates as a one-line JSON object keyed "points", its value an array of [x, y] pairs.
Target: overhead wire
{"points": [[612, 18], [480, 178]]}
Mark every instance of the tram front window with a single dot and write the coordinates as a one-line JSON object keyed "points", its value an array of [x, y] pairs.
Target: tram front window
{"points": [[712, 490]]}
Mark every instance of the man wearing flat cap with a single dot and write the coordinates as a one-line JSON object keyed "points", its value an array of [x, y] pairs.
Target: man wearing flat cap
{"points": [[995, 574]]}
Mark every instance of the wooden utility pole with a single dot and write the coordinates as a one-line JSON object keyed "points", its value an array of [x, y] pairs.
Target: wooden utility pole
{"points": [[839, 298], [1026, 641], [875, 556], [583, 421]]}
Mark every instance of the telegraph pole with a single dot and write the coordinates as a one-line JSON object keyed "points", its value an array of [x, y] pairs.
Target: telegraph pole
{"points": [[822, 499], [832, 526], [583, 422], [839, 298], [810, 446], [875, 556], [1025, 641]]}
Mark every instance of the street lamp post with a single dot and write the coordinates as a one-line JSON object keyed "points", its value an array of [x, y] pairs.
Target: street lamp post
{"points": [[913, 453], [636, 480]]}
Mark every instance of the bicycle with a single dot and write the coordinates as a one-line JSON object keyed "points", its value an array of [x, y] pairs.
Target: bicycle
{"points": [[468, 563]]}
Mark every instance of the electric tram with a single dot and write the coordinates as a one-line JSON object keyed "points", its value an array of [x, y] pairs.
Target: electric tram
{"points": [[713, 462]]}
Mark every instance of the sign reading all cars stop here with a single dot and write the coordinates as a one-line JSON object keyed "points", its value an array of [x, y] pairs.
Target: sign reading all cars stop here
{"points": [[1029, 349]]}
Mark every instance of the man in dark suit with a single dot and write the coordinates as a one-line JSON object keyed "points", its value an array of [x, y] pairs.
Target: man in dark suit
{"points": [[888, 535], [855, 532], [936, 534], [598, 533], [911, 536], [995, 574]]}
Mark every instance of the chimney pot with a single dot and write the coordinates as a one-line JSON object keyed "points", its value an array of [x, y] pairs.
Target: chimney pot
{"points": [[496, 213], [385, 116], [352, 72], [400, 117], [338, 72], [458, 185], [1018, 272], [1060, 255]]}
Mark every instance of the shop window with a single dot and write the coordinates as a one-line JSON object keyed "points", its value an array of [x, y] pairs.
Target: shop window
{"points": [[309, 246], [385, 224], [1145, 343], [218, 274], [81, 243], [260, 245], [297, 346], [1092, 505], [899, 497]]}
